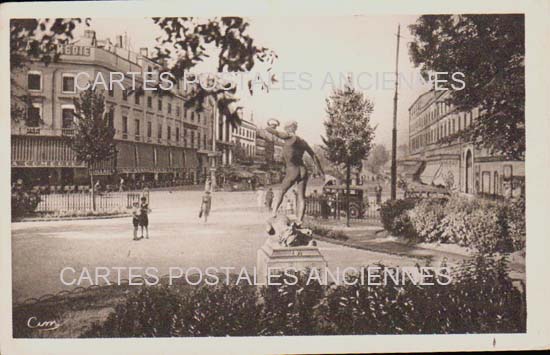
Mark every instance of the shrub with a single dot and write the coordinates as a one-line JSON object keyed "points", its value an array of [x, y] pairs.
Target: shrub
{"points": [[426, 219], [163, 311], [515, 223], [391, 210], [24, 203], [486, 225], [480, 299], [480, 224]]}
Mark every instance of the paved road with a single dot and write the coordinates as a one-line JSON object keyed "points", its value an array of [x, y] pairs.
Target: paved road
{"points": [[235, 231]]}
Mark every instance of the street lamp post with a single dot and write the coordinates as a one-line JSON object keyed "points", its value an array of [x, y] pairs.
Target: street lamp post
{"points": [[394, 131]]}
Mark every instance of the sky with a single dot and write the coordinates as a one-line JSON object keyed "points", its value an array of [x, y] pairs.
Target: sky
{"points": [[315, 55]]}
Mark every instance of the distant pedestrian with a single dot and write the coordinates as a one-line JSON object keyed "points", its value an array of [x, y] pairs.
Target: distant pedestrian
{"points": [[121, 184], [269, 195], [378, 195], [143, 217], [206, 204], [135, 218], [260, 197]]}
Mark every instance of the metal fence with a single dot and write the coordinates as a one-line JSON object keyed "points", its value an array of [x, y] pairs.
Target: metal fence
{"points": [[83, 201], [335, 207]]}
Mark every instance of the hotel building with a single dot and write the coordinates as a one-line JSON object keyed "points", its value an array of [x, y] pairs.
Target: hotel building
{"points": [[157, 138], [440, 158]]}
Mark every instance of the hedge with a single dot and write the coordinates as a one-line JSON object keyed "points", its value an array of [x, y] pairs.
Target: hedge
{"points": [[24, 203], [480, 299], [488, 226]]}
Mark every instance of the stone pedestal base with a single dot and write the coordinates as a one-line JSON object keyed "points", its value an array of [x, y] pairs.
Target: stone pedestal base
{"points": [[273, 259]]}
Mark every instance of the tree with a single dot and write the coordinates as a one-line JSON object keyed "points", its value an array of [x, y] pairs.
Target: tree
{"points": [[377, 158], [187, 41], [349, 134], [93, 140], [35, 39], [490, 51]]}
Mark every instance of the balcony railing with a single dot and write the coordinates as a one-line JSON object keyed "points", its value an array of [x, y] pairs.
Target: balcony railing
{"points": [[42, 131], [67, 132]]}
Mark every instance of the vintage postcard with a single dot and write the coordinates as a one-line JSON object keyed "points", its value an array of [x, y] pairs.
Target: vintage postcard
{"points": [[261, 177]]}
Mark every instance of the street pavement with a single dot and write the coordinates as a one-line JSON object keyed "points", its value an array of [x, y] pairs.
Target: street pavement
{"points": [[231, 238]]}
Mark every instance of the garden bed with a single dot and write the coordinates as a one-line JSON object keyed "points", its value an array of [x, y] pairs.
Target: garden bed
{"points": [[480, 299]]}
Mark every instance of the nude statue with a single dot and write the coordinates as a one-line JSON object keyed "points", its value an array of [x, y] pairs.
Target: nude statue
{"points": [[296, 171]]}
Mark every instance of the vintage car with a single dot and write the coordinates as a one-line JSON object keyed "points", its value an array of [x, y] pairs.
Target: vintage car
{"points": [[338, 198]]}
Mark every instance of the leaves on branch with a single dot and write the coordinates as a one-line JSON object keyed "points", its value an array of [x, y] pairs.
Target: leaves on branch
{"points": [[93, 140], [349, 133], [188, 41], [490, 51]]}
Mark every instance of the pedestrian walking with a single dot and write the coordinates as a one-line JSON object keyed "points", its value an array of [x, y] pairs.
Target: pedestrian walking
{"points": [[378, 195], [269, 195], [260, 197], [144, 211], [208, 184], [206, 204], [135, 218]]}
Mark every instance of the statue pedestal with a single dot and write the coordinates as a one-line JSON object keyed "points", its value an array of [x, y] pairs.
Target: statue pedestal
{"points": [[274, 258]]}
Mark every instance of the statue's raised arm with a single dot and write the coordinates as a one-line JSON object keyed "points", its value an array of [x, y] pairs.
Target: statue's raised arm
{"points": [[272, 125]]}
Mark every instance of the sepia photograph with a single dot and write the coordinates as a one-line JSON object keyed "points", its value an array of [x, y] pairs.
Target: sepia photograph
{"points": [[267, 175]]}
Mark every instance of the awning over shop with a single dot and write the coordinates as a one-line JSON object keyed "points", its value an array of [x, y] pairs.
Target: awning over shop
{"points": [[146, 158], [191, 161], [163, 158], [105, 167], [409, 170], [126, 157], [177, 158], [430, 172], [447, 176]]}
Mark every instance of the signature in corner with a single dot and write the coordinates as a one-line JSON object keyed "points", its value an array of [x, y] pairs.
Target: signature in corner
{"points": [[34, 323]]}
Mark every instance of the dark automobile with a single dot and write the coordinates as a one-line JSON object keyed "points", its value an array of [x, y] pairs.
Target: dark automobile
{"points": [[338, 198]]}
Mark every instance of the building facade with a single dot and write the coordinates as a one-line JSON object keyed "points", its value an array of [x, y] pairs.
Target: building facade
{"points": [[244, 139], [157, 138], [442, 158]]}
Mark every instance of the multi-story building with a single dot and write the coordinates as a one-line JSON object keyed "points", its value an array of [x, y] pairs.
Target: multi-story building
{"points": [[156, 137], [446, 159], [244, 138]]}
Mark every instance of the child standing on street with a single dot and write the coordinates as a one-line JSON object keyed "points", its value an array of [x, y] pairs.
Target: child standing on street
{"points": [[135, 218], [206, 204], [143, 217]]}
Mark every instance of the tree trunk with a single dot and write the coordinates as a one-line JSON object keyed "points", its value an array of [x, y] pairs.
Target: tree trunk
{"points": [[348, 181], [92, 189]]}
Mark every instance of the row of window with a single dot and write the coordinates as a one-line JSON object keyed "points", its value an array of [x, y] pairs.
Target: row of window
{"points": [[431, 115], [34, 116], [443, 129], [193, 135], [243, 132], [34, 83]]}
